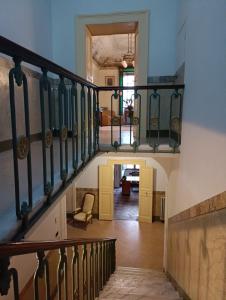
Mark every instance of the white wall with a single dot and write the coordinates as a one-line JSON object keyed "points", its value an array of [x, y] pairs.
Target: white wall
{"points": [[162, 28], [89, 177], [200, 172], [99, 75], [28, 23]]}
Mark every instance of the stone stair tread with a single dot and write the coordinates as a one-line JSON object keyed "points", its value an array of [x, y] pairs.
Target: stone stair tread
{"points": [[135, 283]]}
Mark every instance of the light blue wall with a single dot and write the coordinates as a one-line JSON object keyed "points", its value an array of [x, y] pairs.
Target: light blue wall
{"points": [[28, 23], [201, 43], [200, 171], [162, 42]]}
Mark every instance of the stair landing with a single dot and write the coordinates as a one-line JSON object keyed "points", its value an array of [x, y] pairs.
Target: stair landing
{"points": [[142, 284]]}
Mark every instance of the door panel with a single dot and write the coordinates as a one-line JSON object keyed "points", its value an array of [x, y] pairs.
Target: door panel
{"points": [[106, 192], [145, 194]]}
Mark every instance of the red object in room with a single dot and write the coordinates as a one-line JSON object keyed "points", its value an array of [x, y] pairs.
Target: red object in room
{"points": [[126, 187]]}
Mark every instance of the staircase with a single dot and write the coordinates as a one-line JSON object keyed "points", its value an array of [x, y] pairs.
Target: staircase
{"points": [[142, 284]]}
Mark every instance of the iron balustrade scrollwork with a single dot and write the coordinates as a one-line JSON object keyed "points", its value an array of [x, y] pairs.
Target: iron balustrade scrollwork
{"points": [[62, 276], [83, 124], [154, 120], [21, 145], [74, 124], [75, 274], [69, 125], [89, 100], [47, 133], [42, 270], [155, 116], [84, 281], [6, 275], [175, 119], [115, 143], [63, 128]]}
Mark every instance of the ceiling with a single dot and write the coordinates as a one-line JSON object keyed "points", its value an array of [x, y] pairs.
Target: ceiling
{"points": [[108, 50]]}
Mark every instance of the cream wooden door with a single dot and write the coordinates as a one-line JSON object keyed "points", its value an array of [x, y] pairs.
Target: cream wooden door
{"points": [[145, 194], [106, 192]]}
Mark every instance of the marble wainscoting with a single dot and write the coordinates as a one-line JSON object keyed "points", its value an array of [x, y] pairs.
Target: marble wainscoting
{"points": [[196, 258], [80, 192]]}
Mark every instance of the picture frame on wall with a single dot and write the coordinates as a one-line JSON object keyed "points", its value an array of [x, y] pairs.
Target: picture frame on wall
{"points": [[109, 80]]}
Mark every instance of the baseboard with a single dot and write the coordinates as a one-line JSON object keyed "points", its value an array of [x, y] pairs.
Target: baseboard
{"points": [[181, 292]]}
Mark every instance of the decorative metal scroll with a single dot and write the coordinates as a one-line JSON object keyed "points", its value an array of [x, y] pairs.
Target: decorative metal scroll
{"points": [[115, 121], [23, 147], [6, 275], [63, 126], [75, 274], [62, 275], [47, 135], [175, 120], [48, 138], [85, 272], [42, 271], [154, 120], [63, 133], [74, 122]]}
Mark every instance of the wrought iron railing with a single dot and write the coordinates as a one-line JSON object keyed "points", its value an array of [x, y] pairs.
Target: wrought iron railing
{"points": [[154, 119], [69, 132], [79, 270]]}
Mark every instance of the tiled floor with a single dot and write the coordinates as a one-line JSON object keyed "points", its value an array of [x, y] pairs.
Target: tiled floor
{"points": [[139, 245], [125, 207]]}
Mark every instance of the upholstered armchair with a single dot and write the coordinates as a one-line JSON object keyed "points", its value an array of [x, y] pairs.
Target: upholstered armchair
{"points": [[83, 214]]}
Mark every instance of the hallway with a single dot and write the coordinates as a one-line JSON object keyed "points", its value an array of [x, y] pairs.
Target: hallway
{"points": [[125, 207], [139, 245]]}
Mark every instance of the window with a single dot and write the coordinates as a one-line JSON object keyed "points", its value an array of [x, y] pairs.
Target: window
{"points": [[128, 80]]}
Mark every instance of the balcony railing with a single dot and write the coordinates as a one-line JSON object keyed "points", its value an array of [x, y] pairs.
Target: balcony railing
{"points": [[152, 123], [51, 128], [67, 269]]}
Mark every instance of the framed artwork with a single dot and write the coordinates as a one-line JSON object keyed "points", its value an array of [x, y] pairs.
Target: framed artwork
{"points": [[109, 80]]}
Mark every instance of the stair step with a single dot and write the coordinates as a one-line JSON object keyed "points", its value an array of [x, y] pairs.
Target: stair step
{"points": [[135, 283]]}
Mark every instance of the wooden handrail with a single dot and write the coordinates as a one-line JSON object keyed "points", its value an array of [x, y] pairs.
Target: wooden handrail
{"points": [[16, 51], [26, 247]]}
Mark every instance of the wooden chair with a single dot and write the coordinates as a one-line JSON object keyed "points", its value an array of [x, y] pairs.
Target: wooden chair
{"points": [[84, 214]]}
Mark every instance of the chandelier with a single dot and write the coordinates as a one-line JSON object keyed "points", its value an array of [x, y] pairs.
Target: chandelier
{"points": [[128, 58]]}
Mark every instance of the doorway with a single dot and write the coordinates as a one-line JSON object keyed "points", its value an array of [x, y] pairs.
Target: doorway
{"points": [[142, 41], [126, 192], [83, 63], [106, 189]]}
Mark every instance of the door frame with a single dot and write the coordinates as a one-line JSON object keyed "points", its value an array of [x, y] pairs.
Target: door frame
{"points": [[141, 162], [142, 17]]}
